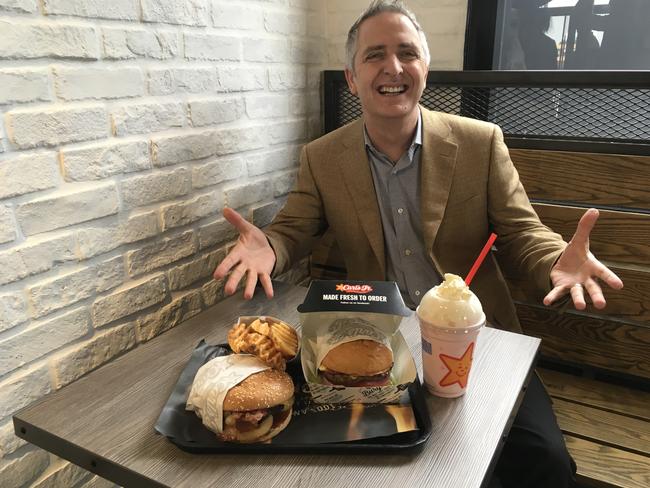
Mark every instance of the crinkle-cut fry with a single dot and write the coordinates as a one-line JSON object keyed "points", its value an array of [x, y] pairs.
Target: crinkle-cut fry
{"points": [[236, 335], [264, 348], [261, 327], [285, 338]]}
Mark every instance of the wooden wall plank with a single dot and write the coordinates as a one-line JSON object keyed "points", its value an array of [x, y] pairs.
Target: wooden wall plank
{"points": [[631, 304], [621, 237], [599, 394], [593, 179], [626, 433], [594, 341], [604, 466]]}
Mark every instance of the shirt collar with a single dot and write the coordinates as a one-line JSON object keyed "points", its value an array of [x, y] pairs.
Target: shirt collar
{"points": [[415, 143]]}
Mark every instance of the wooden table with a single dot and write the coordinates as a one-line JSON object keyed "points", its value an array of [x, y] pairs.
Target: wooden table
{"points": [[104, 422]]}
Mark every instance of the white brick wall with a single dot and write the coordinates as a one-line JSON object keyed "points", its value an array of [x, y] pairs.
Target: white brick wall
{"points": [[125, 126]]}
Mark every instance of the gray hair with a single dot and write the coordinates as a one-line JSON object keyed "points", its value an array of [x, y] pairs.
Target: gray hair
{"points": [[377, 7]]}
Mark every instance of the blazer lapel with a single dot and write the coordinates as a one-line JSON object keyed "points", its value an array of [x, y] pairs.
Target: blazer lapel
{"points": [[355, 168], [437, 170]]}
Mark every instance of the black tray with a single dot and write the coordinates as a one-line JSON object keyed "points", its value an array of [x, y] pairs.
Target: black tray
{"points": [[184, 429]]}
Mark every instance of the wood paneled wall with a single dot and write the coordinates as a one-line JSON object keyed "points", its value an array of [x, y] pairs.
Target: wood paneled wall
{"points": [[618, 337]]}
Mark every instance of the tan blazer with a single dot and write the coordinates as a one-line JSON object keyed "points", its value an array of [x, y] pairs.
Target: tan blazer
{"points": [[469, 188]]}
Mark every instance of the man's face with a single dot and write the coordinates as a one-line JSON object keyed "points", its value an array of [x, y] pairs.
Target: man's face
{"points": [[389, 67]]}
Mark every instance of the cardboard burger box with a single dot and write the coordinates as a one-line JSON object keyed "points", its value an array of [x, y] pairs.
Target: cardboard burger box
{"points": [[341, 311]]}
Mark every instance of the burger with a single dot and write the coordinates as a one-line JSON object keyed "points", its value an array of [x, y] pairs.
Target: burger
{"points": [[357, 363], [258, 408]]}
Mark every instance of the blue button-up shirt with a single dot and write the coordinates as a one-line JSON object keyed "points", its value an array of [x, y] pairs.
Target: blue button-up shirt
{"points": [[398, 193]]}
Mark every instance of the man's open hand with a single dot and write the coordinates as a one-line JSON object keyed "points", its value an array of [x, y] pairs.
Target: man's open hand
{"points": [[578, 270], [252, 256]]}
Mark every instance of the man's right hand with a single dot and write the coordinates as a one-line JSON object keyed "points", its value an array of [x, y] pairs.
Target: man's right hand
{"points": [[252, 256]]}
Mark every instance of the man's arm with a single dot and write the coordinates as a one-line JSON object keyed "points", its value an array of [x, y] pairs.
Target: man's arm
{"points": [[527, 249], [532, 250], [578, 269], [257, 255], [252, 256]]}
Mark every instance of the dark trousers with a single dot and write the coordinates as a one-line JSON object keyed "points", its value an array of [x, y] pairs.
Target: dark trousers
{"points": [[534, 455]]}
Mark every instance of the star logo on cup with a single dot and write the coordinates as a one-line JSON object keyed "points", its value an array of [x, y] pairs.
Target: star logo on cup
{"points": [[458, 368]]}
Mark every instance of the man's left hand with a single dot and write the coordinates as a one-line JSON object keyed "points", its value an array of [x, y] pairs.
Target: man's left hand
{"points": [[578, 270]]}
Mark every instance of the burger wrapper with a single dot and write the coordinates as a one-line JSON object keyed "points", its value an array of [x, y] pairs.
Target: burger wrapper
{"points": [[212, 382]]}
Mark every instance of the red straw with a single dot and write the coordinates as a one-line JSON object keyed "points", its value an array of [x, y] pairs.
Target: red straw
{"points": [[480, 258]]}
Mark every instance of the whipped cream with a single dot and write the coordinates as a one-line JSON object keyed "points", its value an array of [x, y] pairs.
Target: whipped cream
{"points": [[451, 304]]}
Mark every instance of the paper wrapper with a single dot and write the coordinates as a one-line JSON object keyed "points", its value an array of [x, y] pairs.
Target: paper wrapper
{"points": [[212, 382], [321, 331]]}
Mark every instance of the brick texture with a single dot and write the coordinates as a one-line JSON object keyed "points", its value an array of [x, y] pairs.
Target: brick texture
{"points": [[125, 127], [216, 172], [35, 256], [20, 391], [21, 6], [168, 150], [101, 237], [101, 160], [211, 47], [9, 442], [27, 40], [189, 12], [129, 300], [52, 126], [86, 356], [142, 118], [86, 83], [7, 225], [12, 310], [215, 112], [24, 85], [42, 338], [21, 470], [182, 308], [115, 9], [67, 207], [62, 291], [186, 212], [160, 253], [66, 474], [139, 43], [155, 187], [41, 168]]}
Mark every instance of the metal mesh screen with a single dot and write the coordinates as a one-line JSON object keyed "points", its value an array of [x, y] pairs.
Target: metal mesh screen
{"points": [[611, 114]]}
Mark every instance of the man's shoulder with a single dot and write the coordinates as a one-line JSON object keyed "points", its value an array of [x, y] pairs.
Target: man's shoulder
{"points": [[335, 141]]}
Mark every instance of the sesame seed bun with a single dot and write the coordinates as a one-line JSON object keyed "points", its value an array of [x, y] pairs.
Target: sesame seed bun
{"points": [[360, 358], [265, 389]]}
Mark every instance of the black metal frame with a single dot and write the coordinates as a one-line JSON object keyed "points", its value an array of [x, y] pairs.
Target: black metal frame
{"points": [[522, 79], [480, 31], [481, 35]]}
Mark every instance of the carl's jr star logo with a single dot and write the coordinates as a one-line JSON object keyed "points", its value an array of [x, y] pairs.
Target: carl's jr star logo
{"points": [[458, 367]]}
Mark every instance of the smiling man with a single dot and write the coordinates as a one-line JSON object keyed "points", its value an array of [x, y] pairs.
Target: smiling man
{"points": [[411, 194]]}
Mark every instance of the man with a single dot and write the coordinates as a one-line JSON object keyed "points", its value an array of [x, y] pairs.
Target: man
{"points": [[411, 194]]}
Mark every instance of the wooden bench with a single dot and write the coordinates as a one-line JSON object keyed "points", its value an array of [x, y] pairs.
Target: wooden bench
{"points": [[602, 400], [596, 365]]}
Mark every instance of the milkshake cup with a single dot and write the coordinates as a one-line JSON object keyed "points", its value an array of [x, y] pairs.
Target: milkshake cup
{"points": [[451, 318]]}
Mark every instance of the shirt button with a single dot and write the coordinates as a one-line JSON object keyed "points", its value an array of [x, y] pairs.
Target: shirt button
{"points": [[417, 293], [407, 252], [400, 210]]}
